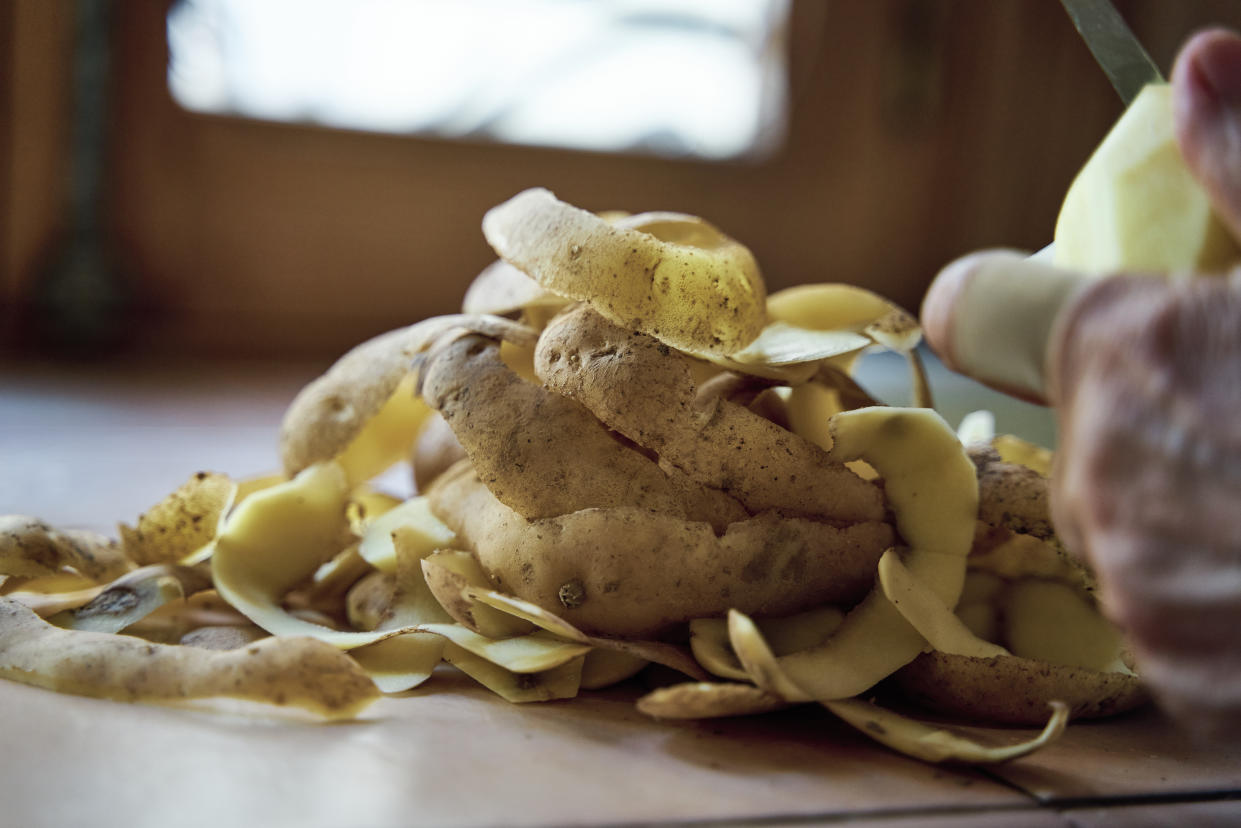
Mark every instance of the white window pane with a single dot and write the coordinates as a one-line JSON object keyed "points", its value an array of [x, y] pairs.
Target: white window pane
{"points": [[703, 78]]}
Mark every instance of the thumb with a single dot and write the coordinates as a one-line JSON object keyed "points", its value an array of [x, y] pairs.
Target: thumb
{"points": [[991, 315], [1206, 93]]}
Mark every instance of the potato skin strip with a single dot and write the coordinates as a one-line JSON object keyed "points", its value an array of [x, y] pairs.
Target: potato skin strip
{"points": [[658, 652], [558, 683], [708, 700], [933, 744], [930, 483], [30, 548], [276, 539], [330, 412], [929, 615], [298, 672], [673, 276], [904, 735], [402, 662], [182, 523], [133, 597]]}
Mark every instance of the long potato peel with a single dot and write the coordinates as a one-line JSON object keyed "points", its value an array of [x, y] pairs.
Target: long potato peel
{"points": [[905, 735], [931, 486], [927, 614], [300, 672], [276, 539]]}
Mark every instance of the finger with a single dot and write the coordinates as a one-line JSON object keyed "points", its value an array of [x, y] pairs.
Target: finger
{"points": [[1206, 90], [990, 316]]}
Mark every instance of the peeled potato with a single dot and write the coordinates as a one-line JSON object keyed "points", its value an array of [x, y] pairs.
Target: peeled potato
{"points": [[1135, 206]]}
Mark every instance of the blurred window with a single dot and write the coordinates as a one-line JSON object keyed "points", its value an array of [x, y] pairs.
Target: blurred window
{"points": [[680, 78]]}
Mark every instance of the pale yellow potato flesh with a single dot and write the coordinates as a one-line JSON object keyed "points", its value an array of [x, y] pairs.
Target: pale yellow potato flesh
{"points": [[1136, 207], [1051, 621], [423, 534]]}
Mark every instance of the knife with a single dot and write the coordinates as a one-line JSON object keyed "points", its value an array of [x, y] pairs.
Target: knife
{"points": [[1118, 52]]}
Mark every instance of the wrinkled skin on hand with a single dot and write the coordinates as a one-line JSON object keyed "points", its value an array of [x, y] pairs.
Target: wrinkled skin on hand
{"points": [[1147, 483], [1145, 376]]}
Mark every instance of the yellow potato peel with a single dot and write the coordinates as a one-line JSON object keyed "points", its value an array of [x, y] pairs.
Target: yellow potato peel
{"points": [[708, 700], [670, 275], [927, 614], [931, 486], [561, 682], [181, 524], [902, 734]]}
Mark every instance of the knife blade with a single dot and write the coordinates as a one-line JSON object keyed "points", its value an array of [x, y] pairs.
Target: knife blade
{"points": [[1117, 51]]}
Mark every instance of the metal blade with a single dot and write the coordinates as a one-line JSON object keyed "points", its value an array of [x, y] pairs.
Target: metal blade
{"points": [[1113, 45]]}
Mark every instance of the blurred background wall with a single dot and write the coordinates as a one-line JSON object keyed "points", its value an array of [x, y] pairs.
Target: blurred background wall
{"points": [[907, 132]]}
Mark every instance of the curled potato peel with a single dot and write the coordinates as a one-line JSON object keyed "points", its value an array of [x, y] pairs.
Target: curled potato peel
{"points": [[673, 276], [327, 420], [930, 482]]}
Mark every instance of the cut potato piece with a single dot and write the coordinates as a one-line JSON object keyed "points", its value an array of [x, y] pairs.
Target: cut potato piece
{"points": [[672, 276], [1136, 207]]}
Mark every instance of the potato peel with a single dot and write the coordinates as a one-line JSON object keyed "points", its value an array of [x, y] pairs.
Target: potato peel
{"points": [[708, 700], [930, 483], [907, 736], [927, 614], [30, 548], [133, 597], [670, 275], [182, 523], [299, 672]]}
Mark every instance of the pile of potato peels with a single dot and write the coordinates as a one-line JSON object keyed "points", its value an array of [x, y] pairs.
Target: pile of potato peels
{"points": [[625, 454]]}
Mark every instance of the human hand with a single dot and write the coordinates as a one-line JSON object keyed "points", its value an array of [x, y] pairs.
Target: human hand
{"points": [[1145, 375]]}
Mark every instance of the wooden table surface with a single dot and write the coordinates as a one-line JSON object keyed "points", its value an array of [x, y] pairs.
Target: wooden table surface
{"points": [[92, 445]]}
